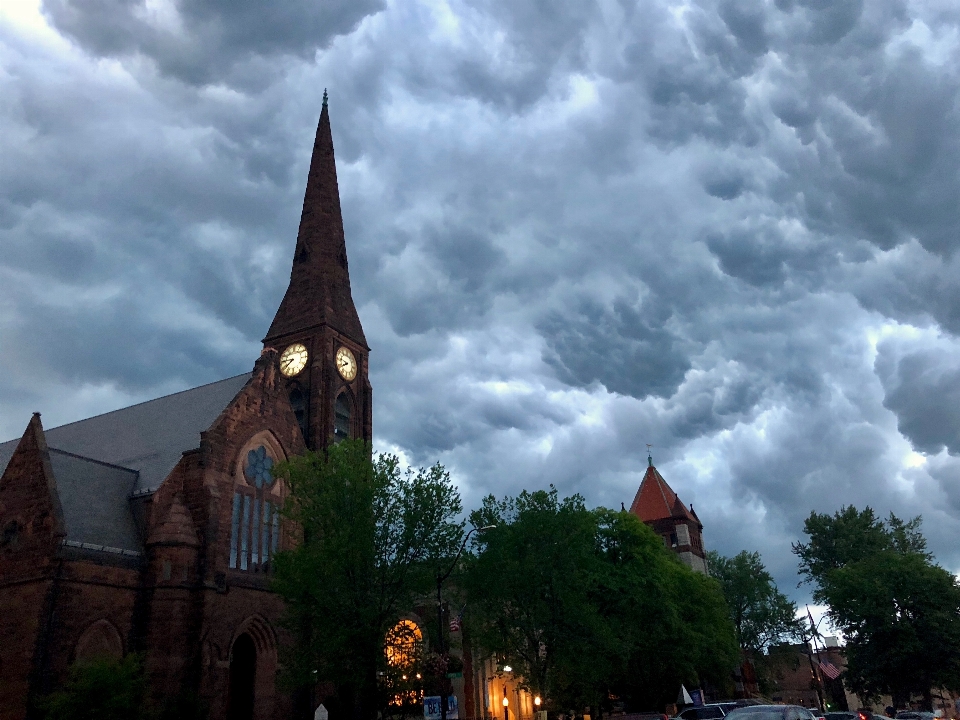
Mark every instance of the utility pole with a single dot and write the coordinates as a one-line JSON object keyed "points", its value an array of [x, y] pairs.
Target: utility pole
{"points": [[440, 641]]}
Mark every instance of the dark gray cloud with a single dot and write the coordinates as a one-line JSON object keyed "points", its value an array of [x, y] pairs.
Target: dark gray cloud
{"points": [[207, 41], [724, 228], [922, 387]]}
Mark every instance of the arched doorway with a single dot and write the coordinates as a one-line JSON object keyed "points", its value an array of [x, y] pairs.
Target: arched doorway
{"points": [[243, 670]]}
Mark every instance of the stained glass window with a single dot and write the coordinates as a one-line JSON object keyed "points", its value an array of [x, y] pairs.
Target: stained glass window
{"points": [[259, 467], [255, 519]]}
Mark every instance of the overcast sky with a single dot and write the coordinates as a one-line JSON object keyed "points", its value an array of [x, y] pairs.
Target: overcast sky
{"points": [[725, 228]]}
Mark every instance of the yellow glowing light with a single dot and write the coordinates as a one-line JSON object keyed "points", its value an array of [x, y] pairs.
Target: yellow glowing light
{"points": [[537, 701], [505, 701], [404, 644]]}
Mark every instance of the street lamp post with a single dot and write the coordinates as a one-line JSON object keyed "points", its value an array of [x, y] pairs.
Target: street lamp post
{"points": [[536, 707], [506, 704], [440, 579]]}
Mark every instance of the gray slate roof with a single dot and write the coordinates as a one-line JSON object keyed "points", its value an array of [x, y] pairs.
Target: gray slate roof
{"points": [[96, 501], [104, 459]]}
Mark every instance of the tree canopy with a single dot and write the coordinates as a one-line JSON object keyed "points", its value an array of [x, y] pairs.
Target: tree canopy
{"points": [[899, 611], [762, 615], [582, 603], [372, 537]]}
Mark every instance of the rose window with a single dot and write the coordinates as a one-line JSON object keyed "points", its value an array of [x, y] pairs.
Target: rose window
{"points": [[259, 469]]}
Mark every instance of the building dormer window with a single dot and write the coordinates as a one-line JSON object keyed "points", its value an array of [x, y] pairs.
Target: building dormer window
{"points": [[255, 520]]}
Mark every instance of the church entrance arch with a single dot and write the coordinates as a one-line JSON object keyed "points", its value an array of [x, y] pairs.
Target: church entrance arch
{"points": [[243, 672]]}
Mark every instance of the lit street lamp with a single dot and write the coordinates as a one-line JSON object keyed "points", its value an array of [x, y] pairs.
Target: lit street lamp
{"points": [[440, 579], [506, 704], [536, 702]]}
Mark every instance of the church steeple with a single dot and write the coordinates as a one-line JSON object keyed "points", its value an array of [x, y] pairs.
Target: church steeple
{"points": [[322, 352], [319, 290]]}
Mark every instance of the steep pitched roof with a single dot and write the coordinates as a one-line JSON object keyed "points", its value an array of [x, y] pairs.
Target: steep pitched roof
{"points": [[319, 290], [148, 437], [656, 500], [99, 462]]}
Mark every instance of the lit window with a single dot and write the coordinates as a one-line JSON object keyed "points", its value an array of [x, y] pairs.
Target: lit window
{"points": [[404, 645]]}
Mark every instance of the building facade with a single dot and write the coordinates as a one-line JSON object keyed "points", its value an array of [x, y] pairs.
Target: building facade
{"points": [[151, 529]]}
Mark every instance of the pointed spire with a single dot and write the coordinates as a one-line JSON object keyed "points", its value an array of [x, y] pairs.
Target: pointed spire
{"points": [[319, 290]]}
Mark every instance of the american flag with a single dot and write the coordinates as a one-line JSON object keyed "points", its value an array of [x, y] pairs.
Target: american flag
{"points": [[830, 670], [455, 624]]}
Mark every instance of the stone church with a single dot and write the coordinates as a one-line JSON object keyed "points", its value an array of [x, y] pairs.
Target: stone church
{"points": [[151, 529]]}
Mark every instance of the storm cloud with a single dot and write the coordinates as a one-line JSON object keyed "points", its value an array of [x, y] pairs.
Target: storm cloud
{"points": [[727, 229]]}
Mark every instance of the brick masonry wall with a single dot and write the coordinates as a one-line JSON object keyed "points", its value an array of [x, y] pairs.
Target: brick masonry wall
{"points": [[31, 528]]}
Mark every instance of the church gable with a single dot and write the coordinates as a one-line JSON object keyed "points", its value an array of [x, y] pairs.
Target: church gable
{"points": [[31, 517], [239, 451]]}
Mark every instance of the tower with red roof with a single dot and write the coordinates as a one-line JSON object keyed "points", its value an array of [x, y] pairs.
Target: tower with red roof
{"points": [[659, 507]]}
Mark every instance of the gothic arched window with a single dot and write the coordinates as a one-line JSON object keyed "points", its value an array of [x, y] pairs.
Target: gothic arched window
{"points": [[404, 645], [255, 524], [342, 417]]}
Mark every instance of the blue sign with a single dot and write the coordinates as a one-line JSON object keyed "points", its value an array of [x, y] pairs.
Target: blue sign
{"points": [[431, 708], [697, 697]]}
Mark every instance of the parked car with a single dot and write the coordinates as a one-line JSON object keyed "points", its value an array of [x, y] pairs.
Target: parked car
{"points": [[915, 715], [710, 711], [842, 715], [713, 711], [772, 712], [652, 715]]}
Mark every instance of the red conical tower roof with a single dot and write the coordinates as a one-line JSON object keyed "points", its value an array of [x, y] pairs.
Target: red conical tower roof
{"points": [[319, 290], [656, 500]]}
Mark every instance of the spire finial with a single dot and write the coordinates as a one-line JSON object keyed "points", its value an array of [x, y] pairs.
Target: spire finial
{"points": [[649, 456], [324, 97]]}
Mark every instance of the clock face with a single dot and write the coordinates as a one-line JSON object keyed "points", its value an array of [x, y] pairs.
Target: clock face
{"points": [[346, 364], [293, 360]]}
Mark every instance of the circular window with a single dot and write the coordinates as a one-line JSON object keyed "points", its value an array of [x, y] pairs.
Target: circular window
{"points": [[259, 467]]}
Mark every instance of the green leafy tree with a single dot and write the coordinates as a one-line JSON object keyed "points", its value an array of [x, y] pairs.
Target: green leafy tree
{"points": [[371, 538], [582, 603], [899, 611], [762, 615], [101, 689]]}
